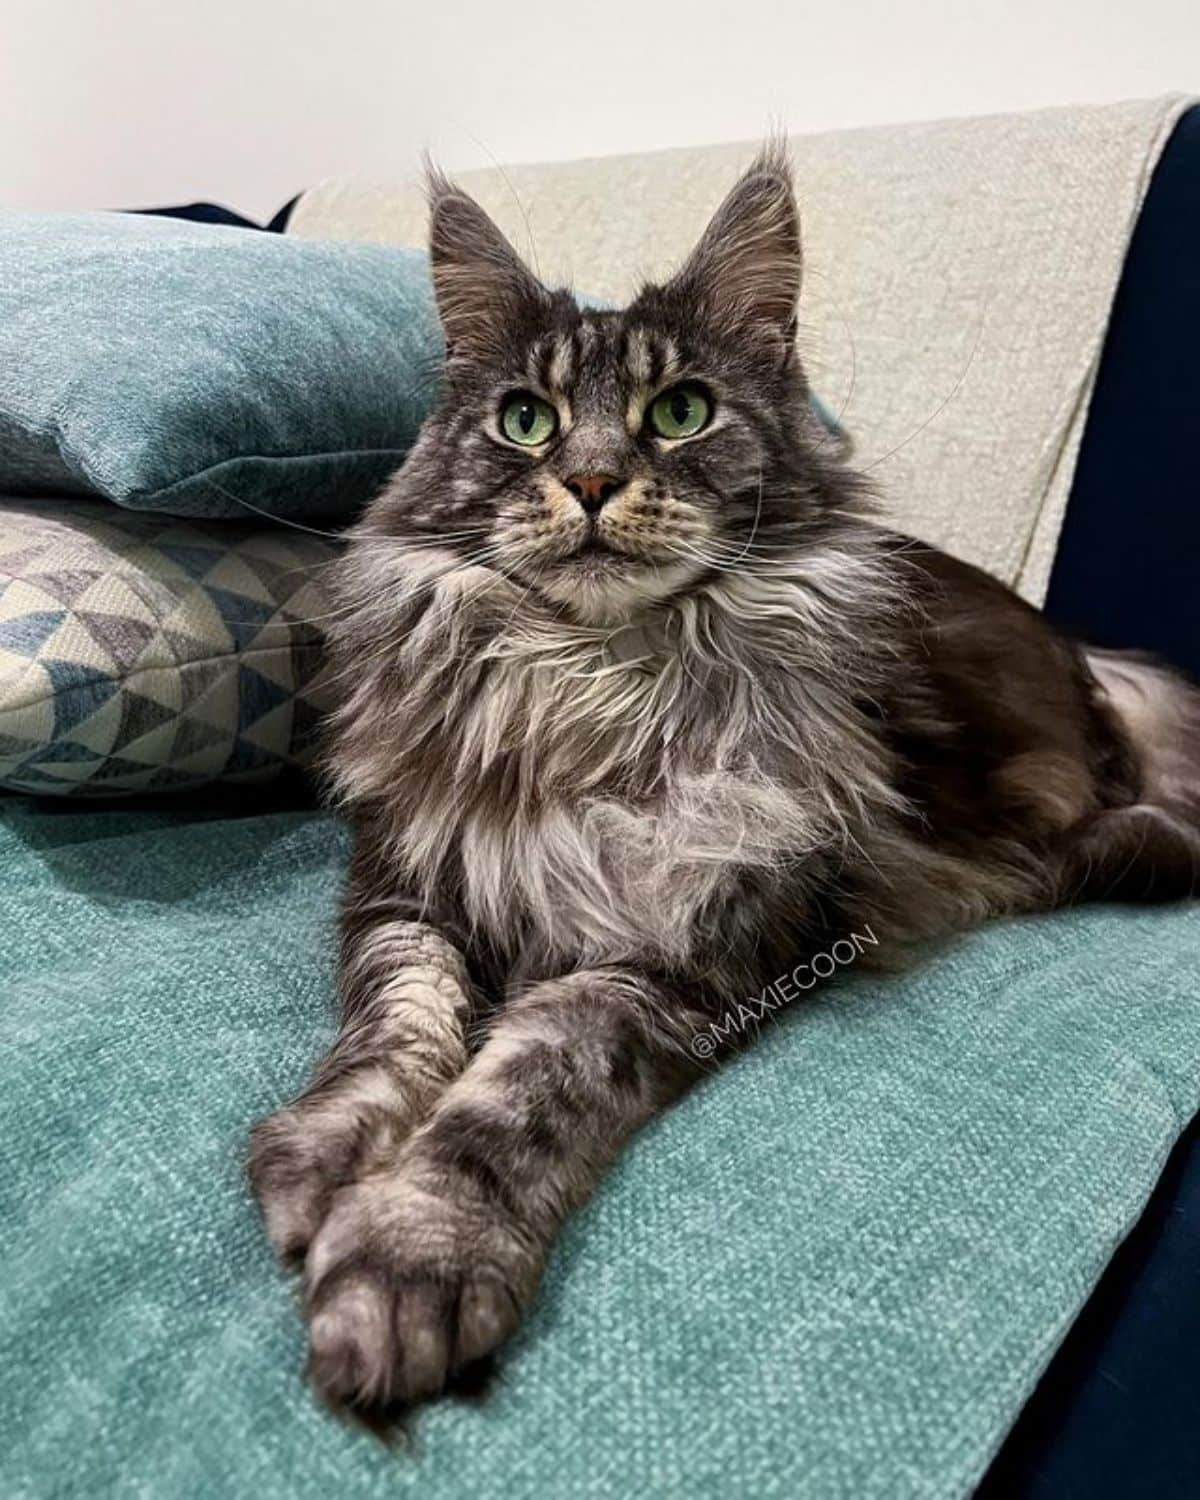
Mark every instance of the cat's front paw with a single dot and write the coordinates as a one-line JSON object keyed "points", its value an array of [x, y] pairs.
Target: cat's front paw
{"points": [[296, 1165], [404, 1287], [301, 1155]]}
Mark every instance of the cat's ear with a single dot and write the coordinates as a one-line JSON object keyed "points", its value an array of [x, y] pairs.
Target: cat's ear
{"points": [[482, 286], [744, 275]]}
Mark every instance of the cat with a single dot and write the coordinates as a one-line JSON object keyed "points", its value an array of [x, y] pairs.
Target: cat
{"points": [[637, 702]]}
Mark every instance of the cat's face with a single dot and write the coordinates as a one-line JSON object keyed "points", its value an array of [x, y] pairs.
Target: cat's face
{"points": [[609, 459]]}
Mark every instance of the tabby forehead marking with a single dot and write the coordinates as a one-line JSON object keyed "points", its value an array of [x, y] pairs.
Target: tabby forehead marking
{"points": [[560, 372], [652, 361], [639, 359]]}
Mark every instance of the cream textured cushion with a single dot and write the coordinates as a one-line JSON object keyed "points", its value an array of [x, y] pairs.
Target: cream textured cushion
{"points": [[959, 279]]}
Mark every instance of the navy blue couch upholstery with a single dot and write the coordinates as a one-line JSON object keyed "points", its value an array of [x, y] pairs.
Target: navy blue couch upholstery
{"points": [[1117, 1413], [1128, 560]]}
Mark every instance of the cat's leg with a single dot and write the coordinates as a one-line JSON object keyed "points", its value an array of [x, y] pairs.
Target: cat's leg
{"points": [[1150, 849], [406, 1000], [427, 1265], [1143, 852]]}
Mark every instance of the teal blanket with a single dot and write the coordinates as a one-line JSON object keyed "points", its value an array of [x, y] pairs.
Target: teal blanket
{"points": [[836, 1269]]}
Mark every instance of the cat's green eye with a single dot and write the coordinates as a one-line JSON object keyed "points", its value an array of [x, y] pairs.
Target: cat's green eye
{"points": [[680, 412], [528, 420]]}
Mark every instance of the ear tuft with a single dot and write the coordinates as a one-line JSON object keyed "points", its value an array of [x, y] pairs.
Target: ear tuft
{"points": [[745, 272], [480, 282]]}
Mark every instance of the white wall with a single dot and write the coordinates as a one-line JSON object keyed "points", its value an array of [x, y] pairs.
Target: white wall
{"points": [[134, 102]]}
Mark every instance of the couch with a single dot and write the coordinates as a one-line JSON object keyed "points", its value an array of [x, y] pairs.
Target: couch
{"points": [[840, 1267]]}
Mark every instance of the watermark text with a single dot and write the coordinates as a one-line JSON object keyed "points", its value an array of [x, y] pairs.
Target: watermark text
{"points": [[782, 991]]}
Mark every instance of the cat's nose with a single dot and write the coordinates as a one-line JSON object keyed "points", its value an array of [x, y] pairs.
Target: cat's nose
{"points": [[592, 490]]}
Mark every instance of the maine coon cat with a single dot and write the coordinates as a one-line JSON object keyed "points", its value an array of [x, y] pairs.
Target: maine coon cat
{"points": [[638, 705]]}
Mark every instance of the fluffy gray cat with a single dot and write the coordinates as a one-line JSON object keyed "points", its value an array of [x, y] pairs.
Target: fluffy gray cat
{"points": [[637, 705]]}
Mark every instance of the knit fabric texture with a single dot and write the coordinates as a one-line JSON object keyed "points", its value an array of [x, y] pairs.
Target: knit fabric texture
{"points": [[834, 1270], [205, 370]]}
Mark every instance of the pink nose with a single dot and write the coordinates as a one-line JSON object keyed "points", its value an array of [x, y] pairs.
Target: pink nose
{"points": [[592, 490]]}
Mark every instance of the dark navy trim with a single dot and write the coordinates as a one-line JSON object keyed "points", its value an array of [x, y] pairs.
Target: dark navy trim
{"points": [[279, 223], [217, 213], [201, 213], [1117, 1413], [1128, 564]]}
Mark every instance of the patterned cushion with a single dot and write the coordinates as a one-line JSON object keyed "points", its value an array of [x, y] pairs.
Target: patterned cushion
{"points": [[144, 653]]}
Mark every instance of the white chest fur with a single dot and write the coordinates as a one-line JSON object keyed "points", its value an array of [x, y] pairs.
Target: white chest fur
{"points": [[589, 795], [623, 816]]}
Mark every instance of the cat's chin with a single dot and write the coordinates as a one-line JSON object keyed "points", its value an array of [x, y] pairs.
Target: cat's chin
{"points": [[606, 588]]}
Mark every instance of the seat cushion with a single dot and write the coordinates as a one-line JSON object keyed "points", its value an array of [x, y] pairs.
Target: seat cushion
{"points": [[1115, 1412], [836, 1269], [141, 653]]}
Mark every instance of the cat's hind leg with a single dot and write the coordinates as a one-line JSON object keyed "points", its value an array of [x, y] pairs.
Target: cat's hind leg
{"points": [[1150, 849], [1136, 853]]}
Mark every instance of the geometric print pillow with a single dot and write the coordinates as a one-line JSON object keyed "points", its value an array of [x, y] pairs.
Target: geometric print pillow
{"points": [[144, 653]]}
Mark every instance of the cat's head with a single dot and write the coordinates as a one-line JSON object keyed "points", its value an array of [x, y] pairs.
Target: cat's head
{"points": [[609, 459]]}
